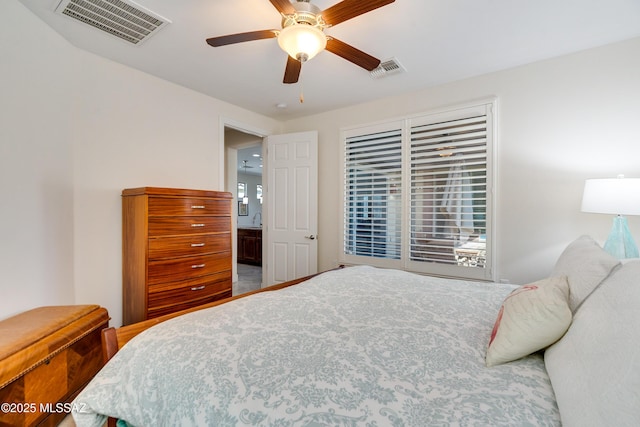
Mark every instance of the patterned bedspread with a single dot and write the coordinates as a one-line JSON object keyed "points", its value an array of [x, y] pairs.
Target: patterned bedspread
{"points": [[360, 346]]}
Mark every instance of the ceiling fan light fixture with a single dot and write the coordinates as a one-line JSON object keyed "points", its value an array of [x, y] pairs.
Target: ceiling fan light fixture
{"points": [[302, 36], [301, 41]]}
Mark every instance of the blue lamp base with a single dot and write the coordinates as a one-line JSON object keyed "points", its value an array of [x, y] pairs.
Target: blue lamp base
{"points": [[620, 244]]}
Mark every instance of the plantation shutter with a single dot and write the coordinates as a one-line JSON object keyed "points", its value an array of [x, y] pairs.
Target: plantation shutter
{"points": [[373, 203], [418, 193], [448, 185]]}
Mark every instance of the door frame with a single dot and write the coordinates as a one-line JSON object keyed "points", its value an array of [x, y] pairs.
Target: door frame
{"points": [[224, 173], [224, 169]]}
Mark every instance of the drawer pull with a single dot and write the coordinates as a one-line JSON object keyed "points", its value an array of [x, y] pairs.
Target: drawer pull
{"points": [[197, 207], [197, 225], [198, 266], [197, 288], [197, 245]]}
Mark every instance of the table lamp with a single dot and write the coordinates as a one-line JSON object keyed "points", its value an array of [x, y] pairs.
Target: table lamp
{"points": [[616, 196]]}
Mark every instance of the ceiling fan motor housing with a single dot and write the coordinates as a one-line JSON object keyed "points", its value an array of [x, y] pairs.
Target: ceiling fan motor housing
{"points": [[306, 13]]}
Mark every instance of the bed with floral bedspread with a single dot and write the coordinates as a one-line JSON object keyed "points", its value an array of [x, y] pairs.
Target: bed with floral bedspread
{"points": [[361, 346]]}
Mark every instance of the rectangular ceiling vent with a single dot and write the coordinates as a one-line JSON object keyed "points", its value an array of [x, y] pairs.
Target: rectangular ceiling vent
{"points": [[386, 68], [123, 19]]}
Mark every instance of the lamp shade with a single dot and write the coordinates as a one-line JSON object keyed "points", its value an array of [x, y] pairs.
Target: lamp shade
{"points": [[302, 42], [616, 196]]}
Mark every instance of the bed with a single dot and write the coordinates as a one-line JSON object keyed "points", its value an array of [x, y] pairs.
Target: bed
{"points": [[364, 346]]}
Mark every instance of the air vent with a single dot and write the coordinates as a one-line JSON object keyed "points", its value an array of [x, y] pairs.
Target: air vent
{"points": [[386, 68], [125, 20]]}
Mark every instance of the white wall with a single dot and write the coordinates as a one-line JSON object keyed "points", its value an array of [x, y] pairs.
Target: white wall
{"points": [[36, 164], [131, 135], [91, 128], [560, 121]]}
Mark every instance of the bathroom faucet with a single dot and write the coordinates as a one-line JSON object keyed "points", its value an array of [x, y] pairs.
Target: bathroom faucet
{"points": [[253, 221]]}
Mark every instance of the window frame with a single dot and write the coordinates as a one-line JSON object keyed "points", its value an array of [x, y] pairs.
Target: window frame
{"points": [[390, 127], [487, 107]]}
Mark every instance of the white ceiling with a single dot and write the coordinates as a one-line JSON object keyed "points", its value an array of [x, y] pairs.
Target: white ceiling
{"points": [[250, 160], [436, 41]]}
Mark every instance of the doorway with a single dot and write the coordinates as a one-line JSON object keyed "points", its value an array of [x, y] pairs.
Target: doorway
{"points": [[289, 212], [243, 152]]}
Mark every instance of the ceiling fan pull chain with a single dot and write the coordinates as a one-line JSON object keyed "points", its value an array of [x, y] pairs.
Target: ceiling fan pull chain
{"points": [[301, 90]]}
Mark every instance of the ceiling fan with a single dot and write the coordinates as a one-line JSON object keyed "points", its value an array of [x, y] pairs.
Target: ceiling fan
{"points": [[302, 35]]}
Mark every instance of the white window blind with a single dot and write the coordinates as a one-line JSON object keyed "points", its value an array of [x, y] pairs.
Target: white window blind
{"points": [[448, 222], [417, 193], [373, 204]]}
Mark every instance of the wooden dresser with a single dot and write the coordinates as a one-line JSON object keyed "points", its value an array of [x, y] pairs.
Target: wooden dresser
{"points": [[47, 355], [176, 247]]}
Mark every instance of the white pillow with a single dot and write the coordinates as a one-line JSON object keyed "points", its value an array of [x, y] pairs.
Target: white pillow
{"points": [[531, 318], [586, 265], [595, 368]]}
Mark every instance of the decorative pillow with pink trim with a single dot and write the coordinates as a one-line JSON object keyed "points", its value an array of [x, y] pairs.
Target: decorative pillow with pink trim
{"points": [[531, 318]]}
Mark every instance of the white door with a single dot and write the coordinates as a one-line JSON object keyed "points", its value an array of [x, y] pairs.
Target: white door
{"points": [[291, 239]]}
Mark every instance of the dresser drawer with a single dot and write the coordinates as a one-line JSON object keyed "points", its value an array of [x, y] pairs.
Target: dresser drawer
{"points": [[167, 226], [176, 269], [168, 247], [186, 206], [165, 299]]}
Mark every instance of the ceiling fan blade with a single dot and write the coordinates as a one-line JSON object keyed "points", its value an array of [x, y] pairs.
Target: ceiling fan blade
{"points": [[348, 9], [352, 54], [283, 6], [292, 71], [241, 37]]}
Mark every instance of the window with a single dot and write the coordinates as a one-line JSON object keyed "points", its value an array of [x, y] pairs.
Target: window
{"points": [[417, 193], [373, 168], [242, 190]]}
